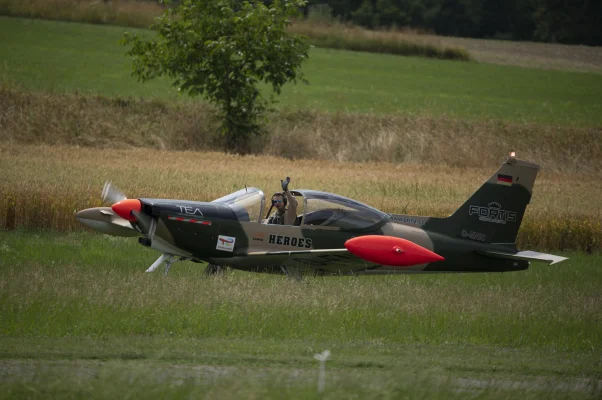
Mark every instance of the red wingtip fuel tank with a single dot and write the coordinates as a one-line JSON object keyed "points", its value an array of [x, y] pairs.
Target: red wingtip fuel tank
{"points": [[124, 208], [391, 251]]}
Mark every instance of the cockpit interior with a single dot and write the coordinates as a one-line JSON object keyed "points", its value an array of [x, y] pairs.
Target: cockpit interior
{"points": [[314, 208]]}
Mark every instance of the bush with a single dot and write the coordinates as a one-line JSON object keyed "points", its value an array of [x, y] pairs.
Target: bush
{"points": [[339, 36]]}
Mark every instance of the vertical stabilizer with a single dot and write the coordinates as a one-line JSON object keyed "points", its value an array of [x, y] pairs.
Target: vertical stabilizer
{"points": [[493, 214]]}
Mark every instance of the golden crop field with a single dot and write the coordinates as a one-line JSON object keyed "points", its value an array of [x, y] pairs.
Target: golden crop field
{"points": [[43, 186]]}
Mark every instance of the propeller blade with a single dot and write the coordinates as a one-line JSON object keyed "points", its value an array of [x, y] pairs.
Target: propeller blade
{"points": [[144, 221], [111, 194]]}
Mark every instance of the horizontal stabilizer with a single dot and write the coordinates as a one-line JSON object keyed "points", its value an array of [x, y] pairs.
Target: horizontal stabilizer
{"points": [[525, 255]]}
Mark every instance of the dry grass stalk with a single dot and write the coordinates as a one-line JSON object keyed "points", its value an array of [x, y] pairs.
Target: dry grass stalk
{"points": [[344, 36]]}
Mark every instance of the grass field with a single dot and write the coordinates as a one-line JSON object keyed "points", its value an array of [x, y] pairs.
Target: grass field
{"points": [[80, 318], [62, 56], [141, 14]]}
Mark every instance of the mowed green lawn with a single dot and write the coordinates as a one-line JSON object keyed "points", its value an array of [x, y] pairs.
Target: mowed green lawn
{"points": [[88, 58], [80, 318]]}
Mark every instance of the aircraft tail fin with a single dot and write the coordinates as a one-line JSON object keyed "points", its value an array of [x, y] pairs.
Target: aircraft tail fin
{"points": [[494, 212]]}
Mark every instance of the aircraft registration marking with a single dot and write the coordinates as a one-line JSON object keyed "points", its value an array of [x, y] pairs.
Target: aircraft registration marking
{"points": [[190, 220], [481, 237]]}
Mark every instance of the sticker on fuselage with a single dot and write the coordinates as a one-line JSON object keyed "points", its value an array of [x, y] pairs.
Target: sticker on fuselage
{"points": [[190, 210], [290, 241], [190, 220], [404, 219], [225, 243]]}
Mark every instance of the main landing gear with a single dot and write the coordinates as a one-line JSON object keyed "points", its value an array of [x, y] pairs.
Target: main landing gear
{"points": [[168, 259], [214, 270]]}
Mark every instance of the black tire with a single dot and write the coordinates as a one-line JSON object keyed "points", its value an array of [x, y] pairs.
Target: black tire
{"points": [[214, 270]]}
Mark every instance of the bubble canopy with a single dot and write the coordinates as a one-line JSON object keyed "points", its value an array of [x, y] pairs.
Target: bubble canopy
{"points": [[315, 209], [246, 203], [332, 210]]}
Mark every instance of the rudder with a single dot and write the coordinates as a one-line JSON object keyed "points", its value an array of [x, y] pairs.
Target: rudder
{"points": [[494, 212]]}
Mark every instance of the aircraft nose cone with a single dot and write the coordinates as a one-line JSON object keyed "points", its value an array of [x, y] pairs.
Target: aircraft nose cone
{"points": [[124, 208]]}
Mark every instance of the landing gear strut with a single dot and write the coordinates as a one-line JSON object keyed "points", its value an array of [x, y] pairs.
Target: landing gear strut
{"points": [[293, 272], [168, 259]]}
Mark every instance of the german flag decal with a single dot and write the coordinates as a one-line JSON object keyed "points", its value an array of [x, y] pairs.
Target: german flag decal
{"points": [[504, 179]]}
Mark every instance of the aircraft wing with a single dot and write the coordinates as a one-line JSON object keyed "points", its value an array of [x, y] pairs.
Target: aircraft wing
{"points": [[295, 252], [370, 249], [525, 255], [333, 259]]}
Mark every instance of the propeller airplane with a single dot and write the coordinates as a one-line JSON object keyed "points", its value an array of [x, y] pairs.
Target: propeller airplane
{"points": [[332, 234]]}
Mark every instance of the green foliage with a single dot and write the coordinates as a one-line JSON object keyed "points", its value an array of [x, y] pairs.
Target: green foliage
{"points": [[320, 13], [575, 21], [222, 50], [364, 14]]}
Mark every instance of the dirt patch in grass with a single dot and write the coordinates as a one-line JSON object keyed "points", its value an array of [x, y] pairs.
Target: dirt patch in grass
{"points": [[526, 54]]}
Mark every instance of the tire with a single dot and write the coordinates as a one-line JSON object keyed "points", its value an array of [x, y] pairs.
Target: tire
{"points": [[214, 270]]}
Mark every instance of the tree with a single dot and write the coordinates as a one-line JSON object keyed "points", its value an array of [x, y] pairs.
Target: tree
{"points": [[458, 18], [564, 21], [364, 15], [389, 14], [222, 50]]}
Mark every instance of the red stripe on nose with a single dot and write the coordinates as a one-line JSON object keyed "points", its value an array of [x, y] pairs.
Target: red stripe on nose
{"points": [[124, 208]]}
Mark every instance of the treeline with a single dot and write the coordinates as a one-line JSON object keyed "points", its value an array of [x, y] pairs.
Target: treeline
{"points": [[560, 21]]}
